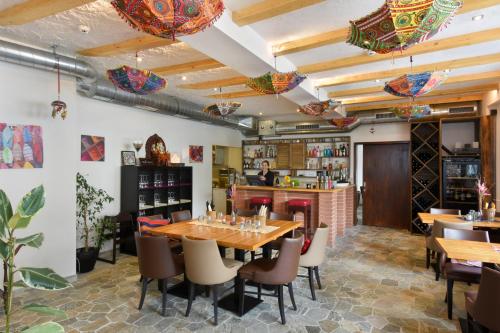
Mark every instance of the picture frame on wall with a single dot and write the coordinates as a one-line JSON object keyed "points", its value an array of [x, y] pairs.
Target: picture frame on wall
{"points": [[195, 154], [128, 157]]}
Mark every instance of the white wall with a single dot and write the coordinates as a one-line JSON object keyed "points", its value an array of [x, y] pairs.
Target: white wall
{"points": [[25, 98]]}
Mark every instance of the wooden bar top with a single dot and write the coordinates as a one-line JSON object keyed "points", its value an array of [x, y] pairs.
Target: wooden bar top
{"points": [[289, 189]]}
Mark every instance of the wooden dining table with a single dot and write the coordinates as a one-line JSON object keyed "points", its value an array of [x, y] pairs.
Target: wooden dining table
{"points": [[429, 219], [230, 237], [470, 250]]}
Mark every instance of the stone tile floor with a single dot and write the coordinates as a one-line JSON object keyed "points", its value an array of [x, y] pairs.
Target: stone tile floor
{"points": [[374, 281]]}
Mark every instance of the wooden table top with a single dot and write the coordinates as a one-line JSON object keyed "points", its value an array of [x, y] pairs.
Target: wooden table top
{"points": [[289, 189], [429, 218], [227, 237], [470, 250]]}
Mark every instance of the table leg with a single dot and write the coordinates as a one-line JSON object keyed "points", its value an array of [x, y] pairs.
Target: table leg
{"points": [[239, 255], [222, 251], [232, 301]]}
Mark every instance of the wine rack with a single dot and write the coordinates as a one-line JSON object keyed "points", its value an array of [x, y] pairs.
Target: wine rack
{"points": [[425, 171]]}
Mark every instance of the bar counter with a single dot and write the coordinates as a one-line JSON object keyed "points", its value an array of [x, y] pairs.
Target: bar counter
{"points": [[336, 207]]}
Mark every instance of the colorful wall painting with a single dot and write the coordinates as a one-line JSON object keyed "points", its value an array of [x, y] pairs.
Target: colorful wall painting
{"points": [[92, 148], [196, 154], [21, 146]]}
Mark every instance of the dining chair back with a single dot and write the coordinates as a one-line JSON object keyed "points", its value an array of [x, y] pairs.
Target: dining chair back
{"points": [[483, 306], [182, 215], [280, 216], [445, 211], [156, 262], [471, 235], [246, 212]]}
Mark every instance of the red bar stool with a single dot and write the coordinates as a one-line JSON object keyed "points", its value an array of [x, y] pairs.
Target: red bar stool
{"points": [[261, 201], [303, 206]]}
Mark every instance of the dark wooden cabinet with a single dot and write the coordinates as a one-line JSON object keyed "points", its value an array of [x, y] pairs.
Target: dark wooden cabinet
{"points": [[149, 190]]}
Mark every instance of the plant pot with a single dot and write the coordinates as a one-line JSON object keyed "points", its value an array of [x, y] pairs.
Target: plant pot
{"points": [[85, 260]]}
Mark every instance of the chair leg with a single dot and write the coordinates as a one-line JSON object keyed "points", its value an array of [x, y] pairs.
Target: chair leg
{"points": [[316, 271], [280, 304], [311, 282], [164, 297], [259, 291], [292, 298], [449, 297], [190, 297], [143, 292], [252, 255], [438, 269], [470, 328], [215, 292], [427, 258], [242, 297], [207, 291]]}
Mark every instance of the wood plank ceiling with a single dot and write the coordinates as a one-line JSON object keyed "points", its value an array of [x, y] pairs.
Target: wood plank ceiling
{"points": [[268, 10]]}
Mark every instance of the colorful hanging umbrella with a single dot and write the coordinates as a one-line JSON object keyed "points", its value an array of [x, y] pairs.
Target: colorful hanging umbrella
{"points": [[168, 18], [342, 123], [399, 24], [319, 109], [222, 109], [136, 81], [412, 111], [414, 85], [276, 83]]}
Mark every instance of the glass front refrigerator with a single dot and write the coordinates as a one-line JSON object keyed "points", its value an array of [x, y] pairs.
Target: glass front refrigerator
{"points": [[460, 175]]}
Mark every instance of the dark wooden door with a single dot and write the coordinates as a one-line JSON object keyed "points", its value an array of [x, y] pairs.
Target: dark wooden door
{"points": [[386, 178]]}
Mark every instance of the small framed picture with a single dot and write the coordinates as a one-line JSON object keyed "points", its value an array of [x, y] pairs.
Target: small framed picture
{"points": [[128, 157]]}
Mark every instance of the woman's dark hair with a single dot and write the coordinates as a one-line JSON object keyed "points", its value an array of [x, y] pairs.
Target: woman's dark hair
{"points": [[267, 162]]}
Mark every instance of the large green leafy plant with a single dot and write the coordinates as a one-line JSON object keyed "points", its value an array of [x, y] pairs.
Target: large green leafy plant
{"points": [[90, 202], [10, 245]]}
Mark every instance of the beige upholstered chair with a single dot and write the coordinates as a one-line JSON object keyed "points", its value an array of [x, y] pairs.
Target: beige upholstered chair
{"points": [[205, 266], [437, 232], [315, 256]]}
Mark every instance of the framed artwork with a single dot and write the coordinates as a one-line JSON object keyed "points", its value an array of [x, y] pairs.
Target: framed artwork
{"points": [[196, 154], [128, 157], [21, 146], [92, 148]]}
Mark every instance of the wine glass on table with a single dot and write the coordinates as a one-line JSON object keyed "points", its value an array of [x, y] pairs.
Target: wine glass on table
{"points": [[137, 145]]}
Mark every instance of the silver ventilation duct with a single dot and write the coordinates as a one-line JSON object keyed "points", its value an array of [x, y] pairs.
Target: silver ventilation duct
{"points": [[90, 86]]}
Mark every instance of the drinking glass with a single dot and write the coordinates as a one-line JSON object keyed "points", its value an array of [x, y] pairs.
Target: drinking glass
{"points": [[200, 219], [220, 217]]}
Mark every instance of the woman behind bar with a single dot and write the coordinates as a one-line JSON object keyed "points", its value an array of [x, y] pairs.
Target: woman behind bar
{"points": [[266, 175]]}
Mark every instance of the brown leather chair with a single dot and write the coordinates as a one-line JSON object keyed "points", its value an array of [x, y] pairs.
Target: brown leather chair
{"points": [[246, 212], [182, 215], [156, 262], [437, 232], [459, 272], [445, 211], [278, 272], [483, 306]]}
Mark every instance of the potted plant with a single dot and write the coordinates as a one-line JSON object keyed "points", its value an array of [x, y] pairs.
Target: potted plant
{"points": [[90, 202], [29, 277]]}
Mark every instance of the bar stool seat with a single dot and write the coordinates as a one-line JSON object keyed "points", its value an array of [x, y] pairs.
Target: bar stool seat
{"points": [[299, 203], [256, 202]]}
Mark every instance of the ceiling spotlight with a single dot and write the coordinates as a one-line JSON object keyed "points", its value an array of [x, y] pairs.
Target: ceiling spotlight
{"points": [[260, 113], [377, 80], [478, 17], [298, 110], [139, 59], [216, 89], [184, 78], [84, 28], [447, 70]]}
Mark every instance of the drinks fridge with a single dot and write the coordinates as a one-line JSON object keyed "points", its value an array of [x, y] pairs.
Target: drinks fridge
{"points": [[459, 183]]}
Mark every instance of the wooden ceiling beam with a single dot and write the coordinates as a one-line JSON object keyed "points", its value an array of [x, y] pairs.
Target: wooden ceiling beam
{"points": [[32, 10], [438, 92], [269, 8], [237, 94], [127, 46], [456, 79], [340, 35], [438, 66], [426, 47], [188, 67], [233, 81], [431, 101]]}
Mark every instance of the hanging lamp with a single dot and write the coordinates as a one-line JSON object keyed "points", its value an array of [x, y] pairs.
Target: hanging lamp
{"points": [[222, 108], [58, 107]]}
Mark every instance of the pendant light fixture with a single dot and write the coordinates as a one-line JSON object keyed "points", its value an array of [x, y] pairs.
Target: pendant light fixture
{"points": [[58, 106]]}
